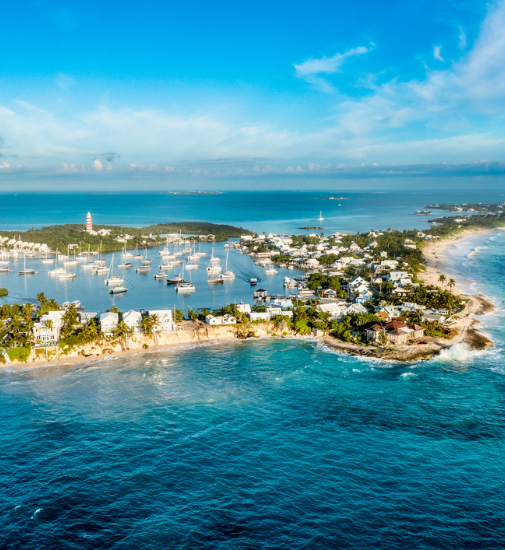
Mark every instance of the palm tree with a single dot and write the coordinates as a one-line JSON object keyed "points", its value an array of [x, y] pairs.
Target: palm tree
{"points": [[441, 279], [122, 331], [147, 324], [451, 283]]}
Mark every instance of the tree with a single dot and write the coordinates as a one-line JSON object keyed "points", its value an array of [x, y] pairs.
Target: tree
{"points": [[147, 324], [48, 324], [122, 331], [302, 327], [451, 284], [179, 315], [442, 278]]}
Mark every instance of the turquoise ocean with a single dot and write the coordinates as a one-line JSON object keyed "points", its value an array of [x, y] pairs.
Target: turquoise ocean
{"points": [[274, 444]]}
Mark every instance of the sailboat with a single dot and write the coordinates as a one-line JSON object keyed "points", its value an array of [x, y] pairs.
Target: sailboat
{"points": [[113, 279], [146, 260], [25, 271], [57, 271], [47, 260], [228, 274], [214, 266], [70, 262], [320, 216], [184, 286]]}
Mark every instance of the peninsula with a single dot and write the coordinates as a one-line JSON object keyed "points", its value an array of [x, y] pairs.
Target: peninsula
{"points": [[382, 294]]}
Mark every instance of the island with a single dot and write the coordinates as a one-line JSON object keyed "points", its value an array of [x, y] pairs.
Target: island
{"points": [[381, 294], [310, 227]]}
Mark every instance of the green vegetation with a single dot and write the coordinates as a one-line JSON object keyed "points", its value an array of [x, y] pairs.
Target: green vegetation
{"points": [[19, 354], [4, 292], [58, 237]]}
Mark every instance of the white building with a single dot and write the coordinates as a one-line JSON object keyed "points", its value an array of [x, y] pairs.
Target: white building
{"points": [[108, 322], [47, 331], [259, 316], [132, 320], [165, 320]]}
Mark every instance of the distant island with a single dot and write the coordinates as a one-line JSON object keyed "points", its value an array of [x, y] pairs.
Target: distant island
{"points": [[479, 208], [190, 192], [336, 198], [310, 227]]}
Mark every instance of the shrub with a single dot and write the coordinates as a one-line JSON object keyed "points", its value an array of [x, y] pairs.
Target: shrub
{"points": [[4, 292], [145, 346], [19, 354]]}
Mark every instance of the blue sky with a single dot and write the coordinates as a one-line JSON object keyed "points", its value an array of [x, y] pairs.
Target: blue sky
{"points": [[277, 92]]}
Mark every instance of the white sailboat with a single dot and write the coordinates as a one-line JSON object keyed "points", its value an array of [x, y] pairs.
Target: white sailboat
{"points": [[214, 267], [228, 274], [320, 216], [113, 279], [25, 271]]}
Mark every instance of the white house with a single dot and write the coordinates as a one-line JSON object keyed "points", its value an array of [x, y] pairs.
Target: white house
{"points": [[259, 316], [165, 321], [47, 331], [108, 322], [132, 320], [396, 276], [244, 308]]}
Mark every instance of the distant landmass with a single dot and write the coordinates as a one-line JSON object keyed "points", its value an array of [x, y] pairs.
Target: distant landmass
{"points": [[190, 192]]}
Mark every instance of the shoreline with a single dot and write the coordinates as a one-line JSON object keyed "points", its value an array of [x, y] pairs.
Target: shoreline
{"points": [[202, 334]]}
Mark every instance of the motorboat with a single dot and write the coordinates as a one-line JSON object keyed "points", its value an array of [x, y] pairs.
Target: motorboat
{"points": [[118, 290], [57, 272], [321, 216], [253, 281], [4, 270], [271, 271], [215, 280], [142, 269], [68, 275], [160, 275], [125, 265]]}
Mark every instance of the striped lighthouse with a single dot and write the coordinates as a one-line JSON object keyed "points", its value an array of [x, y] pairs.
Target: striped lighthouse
{"points": [[89, 226]]}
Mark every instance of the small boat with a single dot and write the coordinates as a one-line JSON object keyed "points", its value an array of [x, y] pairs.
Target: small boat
{"points": [[228, 274], [57, 272], [185, 287], [216, 280], [68, 275], [125, 265], [142, 269], [191, 266], [25, 271], [214, 266], [118, 290], [113, 279], [253, 281], [175, 280], [48, 261], [321, 216], [99, 269], [4, 270], [160, 275], [271, 271]]}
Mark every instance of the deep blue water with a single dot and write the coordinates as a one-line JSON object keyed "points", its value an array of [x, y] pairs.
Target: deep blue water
{"points": [[261, 444], [258, 211]]}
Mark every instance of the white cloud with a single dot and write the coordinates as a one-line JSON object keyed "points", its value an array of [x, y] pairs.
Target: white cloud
{"points": [[4, 165], [436, 53], [311, 69], [97, 165]]}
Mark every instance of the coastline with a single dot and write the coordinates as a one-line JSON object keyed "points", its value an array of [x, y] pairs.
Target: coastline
{"points": [[196, 334]]}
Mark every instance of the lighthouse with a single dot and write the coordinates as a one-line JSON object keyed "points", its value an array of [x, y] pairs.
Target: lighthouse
{"points": [[89, 226]]}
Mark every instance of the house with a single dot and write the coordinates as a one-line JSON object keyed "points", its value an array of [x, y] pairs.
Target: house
{"points": [[396, 276], [433, 317], [357, 308], [108, 322], [164, 318], [244, 308], [259, 316], [211, 320], [396, 332], [228, 319], [385, 318], [336, 310], [86, 316], [132, 320], [47, 331]]}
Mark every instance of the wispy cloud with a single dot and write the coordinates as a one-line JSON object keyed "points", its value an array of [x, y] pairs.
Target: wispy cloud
{"points": [[312, 69], [436, 53]]}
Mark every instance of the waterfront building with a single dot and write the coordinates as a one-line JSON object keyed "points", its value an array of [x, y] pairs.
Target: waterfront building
{"points": [[47, 331], [108, 322]]}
